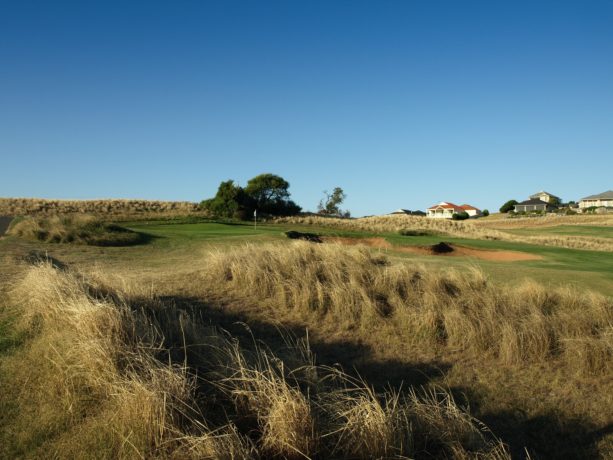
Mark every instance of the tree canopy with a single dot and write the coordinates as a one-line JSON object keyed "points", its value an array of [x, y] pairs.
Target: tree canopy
{"points": [[266, 193], [508, 206], [330, 206]]}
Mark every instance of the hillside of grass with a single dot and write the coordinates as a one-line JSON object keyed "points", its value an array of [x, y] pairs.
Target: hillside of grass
{"points": [[118, 209], [353, 340], [106, 374]]}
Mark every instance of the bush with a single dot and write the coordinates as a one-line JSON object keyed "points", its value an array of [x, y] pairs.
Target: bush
{"points": [[485, 213], [460, 215], [508, 206], [74, 229]]}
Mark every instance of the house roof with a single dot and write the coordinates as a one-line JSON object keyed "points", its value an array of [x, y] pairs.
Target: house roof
{"points": [[608, 195], [447, 205], [532, 202], [455, 207], [542, 192]]}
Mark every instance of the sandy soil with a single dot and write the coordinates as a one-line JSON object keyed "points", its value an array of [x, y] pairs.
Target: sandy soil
{"points": [[455, 250]]}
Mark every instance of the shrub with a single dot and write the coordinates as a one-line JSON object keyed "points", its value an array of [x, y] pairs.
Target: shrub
{"points": [[485, 213], [460, 215], [80, 229], [508, 206]]}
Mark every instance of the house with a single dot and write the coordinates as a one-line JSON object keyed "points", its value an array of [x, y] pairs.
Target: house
{"points": [[534, 204], [546, 197], [408, 212], [471, 210], [446, 210], [602, 199]]}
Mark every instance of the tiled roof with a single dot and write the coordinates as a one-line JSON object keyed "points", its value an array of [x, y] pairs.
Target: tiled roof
{"points": [[608, 195], [468, 207], [447, 205]]}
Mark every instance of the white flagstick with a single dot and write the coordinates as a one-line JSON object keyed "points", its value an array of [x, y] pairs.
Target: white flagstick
{"points": [[255, 219]]}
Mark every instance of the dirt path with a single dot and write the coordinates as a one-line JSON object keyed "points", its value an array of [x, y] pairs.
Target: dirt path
{"points": [[441, 249]]}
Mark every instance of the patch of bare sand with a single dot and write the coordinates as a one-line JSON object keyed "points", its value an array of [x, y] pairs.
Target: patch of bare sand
{"points": [[440, 249]]}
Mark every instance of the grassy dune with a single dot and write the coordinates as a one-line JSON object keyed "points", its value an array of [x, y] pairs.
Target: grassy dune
{"points": [[355, 288], [92, 371], [115, 208], [78, 229]]}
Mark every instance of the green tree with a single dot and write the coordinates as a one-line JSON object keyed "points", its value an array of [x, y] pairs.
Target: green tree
{"points": [[230, 201], [269, 194], [485, 213], [330, 206], [508, 206]]}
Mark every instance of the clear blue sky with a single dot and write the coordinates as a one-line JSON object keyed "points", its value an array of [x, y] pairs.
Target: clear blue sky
{"points": [[400, 103]]}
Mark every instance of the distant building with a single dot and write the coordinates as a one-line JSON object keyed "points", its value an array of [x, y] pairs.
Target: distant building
{"points": [[534, 204], [546, 197], [446, 210], [602, 199]]}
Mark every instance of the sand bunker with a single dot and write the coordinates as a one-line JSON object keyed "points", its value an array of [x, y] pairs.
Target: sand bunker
{"points": [[439, 249]]}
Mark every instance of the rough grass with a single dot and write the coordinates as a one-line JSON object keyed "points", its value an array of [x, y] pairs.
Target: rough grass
{"points": [[99, 375], [463, 229], [130, 209], [77, 229], [356, 288]]}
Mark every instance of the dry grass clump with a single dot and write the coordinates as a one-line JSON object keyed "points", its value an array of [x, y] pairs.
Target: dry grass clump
{"points": [[116, 208], [77, 229], [354, 287], [405, 224], [314, 411], [95, 378], [84, 382]]}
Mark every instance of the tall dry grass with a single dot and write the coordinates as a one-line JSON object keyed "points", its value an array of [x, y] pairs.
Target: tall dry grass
{"points": [[460, 229], [354, 287], [502, 221], [118, 209], [100, 374]]}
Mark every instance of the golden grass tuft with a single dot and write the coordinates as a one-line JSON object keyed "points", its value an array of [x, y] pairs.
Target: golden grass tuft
{"points": [[354, 287], [86, 377]]}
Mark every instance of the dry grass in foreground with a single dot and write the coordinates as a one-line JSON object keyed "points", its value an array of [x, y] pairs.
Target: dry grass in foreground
{"points": [[78, 229], [354, 288], [94, 372], [460, 229]]}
